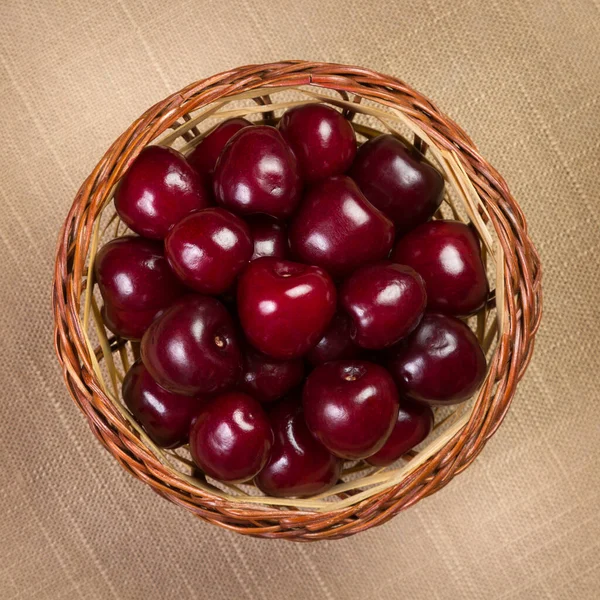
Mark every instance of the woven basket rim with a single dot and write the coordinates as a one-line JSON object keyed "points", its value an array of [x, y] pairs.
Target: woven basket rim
{"points": [[518, 291]]}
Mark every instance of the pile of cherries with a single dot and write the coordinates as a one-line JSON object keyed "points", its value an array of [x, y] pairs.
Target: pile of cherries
{"points": [[296, 305]]}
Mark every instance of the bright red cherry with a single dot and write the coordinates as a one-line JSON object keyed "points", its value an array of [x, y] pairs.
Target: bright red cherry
{"points": [[208, 249], [258, 173], [322, 140], [398, 181], [193, 347], [298, 464], [268, 379], [284, 307], [338, 229], [350, 406], [447, 255], [385, 302], [158, 190], [269, 237], [336, 343], [441, 362], [129, 324], [205, 155], [166, 417], [134, 275], [414, 424], [231, 437]]}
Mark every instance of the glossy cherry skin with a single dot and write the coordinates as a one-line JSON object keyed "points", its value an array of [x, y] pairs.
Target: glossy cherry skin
{"points": [[258, 173], [350, 406], [398, 181], [385, 302], [231, 437], [447, 255], [205, 155], [323, 141], [268, 236], [413, 425], [298, 464], [268, 379], [166, 417], [336, 343], [193, 347], [158, 190], [129, 324], [441, 362], [134, 275], [284, 307], [208, 249], [337, 229]]}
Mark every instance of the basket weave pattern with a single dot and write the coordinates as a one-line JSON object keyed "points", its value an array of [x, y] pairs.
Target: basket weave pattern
{"points": [[517, 301]]}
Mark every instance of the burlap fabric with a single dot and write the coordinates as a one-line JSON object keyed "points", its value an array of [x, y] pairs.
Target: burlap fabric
{"points": [[523, 78]]}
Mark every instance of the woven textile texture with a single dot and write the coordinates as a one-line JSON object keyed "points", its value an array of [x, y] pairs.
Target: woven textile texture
{"points": [[523, 79]]}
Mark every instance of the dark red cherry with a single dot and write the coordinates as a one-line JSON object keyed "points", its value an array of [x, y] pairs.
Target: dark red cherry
{"points": [[338, 229], [336, 343], [268, 379], [208, 249], [414, 424], [447, 255], [129, 324], [322, 140], [158, 190], [205, 155], [231, 437], [398, 181], [134, 275], [229, 299], [269, 237], [385, 302], [441, 362], [298, 464], [350, 406], [284, 307], [258, 173], [193, 347], [166, 417]]}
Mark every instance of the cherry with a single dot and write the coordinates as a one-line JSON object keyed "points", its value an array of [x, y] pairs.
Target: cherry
{"points": [[414, 424], [447, 255], [267, 379], [298, 464], [322, 140], [129, 324], [269, 237], [398, 181], [350, 406], [166, 417], [193, 348], [231, 437], [134, 275], [284, 307], [159, 188], [258, 173], [336, 342], [205, 155], [208, 248], [338, 229], [385, 302], [441, 362]]}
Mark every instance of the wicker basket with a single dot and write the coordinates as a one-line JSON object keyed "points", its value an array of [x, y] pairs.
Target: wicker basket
{"points": [[94, 361]]}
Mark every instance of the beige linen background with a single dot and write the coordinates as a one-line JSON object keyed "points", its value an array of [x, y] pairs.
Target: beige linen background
{"points": [[523, 78]]}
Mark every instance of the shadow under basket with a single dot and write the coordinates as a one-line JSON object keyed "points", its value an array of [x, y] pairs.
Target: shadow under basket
{"points": [[94, 361]]}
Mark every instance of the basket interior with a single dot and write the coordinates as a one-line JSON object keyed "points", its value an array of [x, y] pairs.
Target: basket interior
{"points": [[112, 356]]}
